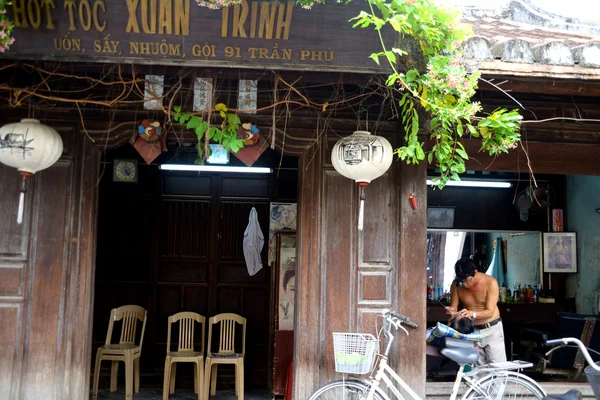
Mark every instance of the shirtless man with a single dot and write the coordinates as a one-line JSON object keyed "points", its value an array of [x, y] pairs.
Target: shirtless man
{"points": [[478, 293]]}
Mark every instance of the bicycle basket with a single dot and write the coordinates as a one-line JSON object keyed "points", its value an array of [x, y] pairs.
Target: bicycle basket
{"points": [[354, 352]]}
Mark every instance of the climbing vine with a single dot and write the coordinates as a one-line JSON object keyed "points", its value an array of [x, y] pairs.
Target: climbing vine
{"points": [[443, 90]]}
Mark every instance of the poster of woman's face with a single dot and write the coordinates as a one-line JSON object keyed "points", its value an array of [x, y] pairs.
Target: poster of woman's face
{"points": [[287, 282]]}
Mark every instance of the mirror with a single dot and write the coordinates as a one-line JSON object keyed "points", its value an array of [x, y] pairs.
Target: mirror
{"points": [[513, 258]]}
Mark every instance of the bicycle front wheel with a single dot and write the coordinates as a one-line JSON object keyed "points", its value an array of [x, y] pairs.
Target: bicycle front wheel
{"points": [[344, 390], [505, 385]]}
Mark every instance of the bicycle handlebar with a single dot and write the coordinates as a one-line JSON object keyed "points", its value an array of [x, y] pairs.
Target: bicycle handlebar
{"points": [[564, 341], [404, 319]]}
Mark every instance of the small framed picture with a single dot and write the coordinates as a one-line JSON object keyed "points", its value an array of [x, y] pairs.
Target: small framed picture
{"points": [[218, 155], [560, 252], [440, 217], [286, 280]]}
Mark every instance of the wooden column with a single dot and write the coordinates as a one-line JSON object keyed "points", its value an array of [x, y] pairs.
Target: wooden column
{"points": [[46, 276], [307, 312], [412, 273]]}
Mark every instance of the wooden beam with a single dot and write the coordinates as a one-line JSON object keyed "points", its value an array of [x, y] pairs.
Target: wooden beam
{"points": [[412, 276], [538, 70], [541, 84], [544, 158]]}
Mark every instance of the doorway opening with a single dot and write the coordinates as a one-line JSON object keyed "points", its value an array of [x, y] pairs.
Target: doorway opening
{"points": [[172, 241]]}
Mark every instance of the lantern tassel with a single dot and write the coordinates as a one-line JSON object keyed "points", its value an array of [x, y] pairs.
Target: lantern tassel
{"points": [[361, 215], [361, 212], [21, 206]]}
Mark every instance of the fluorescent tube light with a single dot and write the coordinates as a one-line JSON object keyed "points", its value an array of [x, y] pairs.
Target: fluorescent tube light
{"points": [[214, 168], [481, 184]]}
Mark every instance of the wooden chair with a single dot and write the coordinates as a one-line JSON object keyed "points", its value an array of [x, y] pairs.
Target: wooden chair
{"points": [[185, 352], [126, 351], [226, 353]]}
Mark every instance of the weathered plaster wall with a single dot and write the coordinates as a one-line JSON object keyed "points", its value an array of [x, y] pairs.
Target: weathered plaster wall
{"points": [[523, 254], [582, 201]]}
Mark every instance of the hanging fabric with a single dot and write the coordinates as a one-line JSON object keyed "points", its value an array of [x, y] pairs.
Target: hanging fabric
{"points": [[253, 244], [496, 268]]}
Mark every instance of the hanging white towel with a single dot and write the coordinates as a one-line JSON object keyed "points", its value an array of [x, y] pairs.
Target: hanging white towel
{"points": [[253, 244]]}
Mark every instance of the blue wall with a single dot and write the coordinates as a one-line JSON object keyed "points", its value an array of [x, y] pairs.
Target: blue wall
{"points": [[523, 257], [583, 198]]}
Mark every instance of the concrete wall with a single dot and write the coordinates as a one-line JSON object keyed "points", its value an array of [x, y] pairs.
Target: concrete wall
{"points": [[583, 198]]}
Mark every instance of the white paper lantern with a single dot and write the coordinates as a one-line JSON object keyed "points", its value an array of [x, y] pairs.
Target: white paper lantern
{"points": [[30, 147], [362, 157]]}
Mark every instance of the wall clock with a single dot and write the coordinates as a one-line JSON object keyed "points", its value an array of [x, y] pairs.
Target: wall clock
{"points": [[125, 171]]}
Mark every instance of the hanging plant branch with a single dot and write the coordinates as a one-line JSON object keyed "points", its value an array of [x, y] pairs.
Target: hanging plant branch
{"points": [[444, 90], [6, 27], [225, 134]]}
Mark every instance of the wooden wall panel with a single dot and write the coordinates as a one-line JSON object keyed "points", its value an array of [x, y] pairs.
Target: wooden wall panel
{"points": [[10, 348], [46, 317], [378, 226], [13, 276], [347, 277], [46, 266], [339, 262], [282, 356]]}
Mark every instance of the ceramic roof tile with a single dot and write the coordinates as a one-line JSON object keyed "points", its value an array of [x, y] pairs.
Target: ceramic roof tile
{"points": [[528, 44]]}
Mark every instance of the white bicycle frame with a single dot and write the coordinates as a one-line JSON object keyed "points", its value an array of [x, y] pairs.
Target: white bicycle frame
{"points": [[386, 374]]}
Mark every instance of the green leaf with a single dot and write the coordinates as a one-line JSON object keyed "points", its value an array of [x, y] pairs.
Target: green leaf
{"points": [[411, 75], [194, 122], [396, 25], [403, 100], [177, 109], [415, 123], [462, 153], [375, 58]]}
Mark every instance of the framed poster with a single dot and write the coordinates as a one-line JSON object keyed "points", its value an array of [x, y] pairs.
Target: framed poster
{"points": [[560, 252], [286, 280], [282, 217]]}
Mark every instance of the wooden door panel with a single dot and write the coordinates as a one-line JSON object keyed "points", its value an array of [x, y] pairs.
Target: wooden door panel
{"points": [[185, 229], [10, 346], [169, 302], [237, 273], [187, 185], [195, 299], [229, 300], [240, 186], [233, 223], [183, 271]]}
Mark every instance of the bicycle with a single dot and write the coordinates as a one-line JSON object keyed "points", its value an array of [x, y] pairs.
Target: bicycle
{"points": [[356, 354], [576, 394]]}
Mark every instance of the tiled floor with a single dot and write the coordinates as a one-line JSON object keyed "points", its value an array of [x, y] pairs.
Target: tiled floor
{"points": [[156, 394]]}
